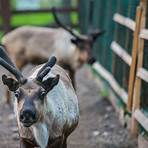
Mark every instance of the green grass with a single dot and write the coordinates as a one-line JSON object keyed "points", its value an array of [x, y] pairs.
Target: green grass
{"points": [[1, 34], [32, 19], [74, 17], [37, 19]]}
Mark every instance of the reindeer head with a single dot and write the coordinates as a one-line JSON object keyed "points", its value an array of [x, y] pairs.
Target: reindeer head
{"points": [[30, 94], [83, 42]]}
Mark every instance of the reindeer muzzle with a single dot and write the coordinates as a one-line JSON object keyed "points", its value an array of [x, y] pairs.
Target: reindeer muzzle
{"points": [[28, 117]]}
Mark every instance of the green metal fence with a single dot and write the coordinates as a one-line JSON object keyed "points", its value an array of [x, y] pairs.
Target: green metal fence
{"points": [[103, 11], [116, 65]]}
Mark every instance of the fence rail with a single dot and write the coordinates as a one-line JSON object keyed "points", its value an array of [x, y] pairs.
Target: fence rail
{"points": [[128, 27], [135, 62], [118, 50], [59, 10], [141, 118], [143, 74], [125, 21], [112, 81]]}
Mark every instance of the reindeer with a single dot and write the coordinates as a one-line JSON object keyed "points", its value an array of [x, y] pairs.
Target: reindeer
{"points": [[45, 104], [30, 44]]}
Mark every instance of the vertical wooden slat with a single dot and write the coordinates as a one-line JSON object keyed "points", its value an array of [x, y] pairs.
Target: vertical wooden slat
{"points": [[137, 88], [6, 14], [98, 21], [65, 17], [108, 36], [83, 15], [134, 57], [132, 5], [120, 31]]}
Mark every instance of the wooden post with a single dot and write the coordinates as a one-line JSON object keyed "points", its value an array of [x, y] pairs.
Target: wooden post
{"points": [[137, 88], [134, 57], [6, 14]]}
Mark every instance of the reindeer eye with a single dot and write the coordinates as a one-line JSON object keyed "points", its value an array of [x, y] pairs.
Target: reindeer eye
{"points": [[42, 94], [17, 94]]}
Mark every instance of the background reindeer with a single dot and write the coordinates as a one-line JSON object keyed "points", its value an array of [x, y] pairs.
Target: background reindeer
{"points": [[34, 45], [46, 105]]}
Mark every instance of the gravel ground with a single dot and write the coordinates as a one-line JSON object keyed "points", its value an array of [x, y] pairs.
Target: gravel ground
{"points": [[98, 127]]}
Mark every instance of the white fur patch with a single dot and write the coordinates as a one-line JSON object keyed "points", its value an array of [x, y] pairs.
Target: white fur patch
{"points": [[35, 73], [41, 134]]}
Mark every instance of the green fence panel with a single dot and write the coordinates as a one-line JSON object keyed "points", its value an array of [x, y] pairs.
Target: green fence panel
{"points": [[120, 31], [132, 4], [144, 88], [98, 20], [83, 15], [109, 26]]}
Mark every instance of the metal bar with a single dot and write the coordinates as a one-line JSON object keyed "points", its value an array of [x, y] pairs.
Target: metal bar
{"points": [[6, 14]]}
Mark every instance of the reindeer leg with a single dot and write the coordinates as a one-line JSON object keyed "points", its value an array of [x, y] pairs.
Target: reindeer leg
{"points": [[65, 143], [58, 143], [25, 144]]}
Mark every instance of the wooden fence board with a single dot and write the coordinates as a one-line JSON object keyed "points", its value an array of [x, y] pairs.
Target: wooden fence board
{"points": [[137, 87], [111, 80], [134, 58], [125, 21], [144, 34], [143, 74], [121, 53], [141, 118]]}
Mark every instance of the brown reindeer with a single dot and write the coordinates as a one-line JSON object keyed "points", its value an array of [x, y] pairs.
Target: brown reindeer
{"points": [[29, 44], [45, 104]]}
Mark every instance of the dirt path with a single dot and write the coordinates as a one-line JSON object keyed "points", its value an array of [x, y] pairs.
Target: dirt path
{"points": [[98, 127]]}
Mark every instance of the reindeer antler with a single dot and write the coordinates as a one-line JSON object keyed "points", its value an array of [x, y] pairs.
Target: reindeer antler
{"points": [[62, 25], [45, 69], [6, 62], [4, 55]]}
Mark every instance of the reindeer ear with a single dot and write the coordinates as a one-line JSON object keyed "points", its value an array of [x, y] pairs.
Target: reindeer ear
{"points": [[96, 34], [50, 83], [12, 84]]}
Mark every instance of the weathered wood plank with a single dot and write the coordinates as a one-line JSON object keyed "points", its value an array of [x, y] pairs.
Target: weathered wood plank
{"points": [[111, 80], [143, 74], [144, 34], [132, 74], [121, 53], [137, 86], [141, 118], [125, 21]]}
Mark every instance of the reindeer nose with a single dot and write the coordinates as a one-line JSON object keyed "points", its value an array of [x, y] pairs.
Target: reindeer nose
{"points": [[27, 116]]}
